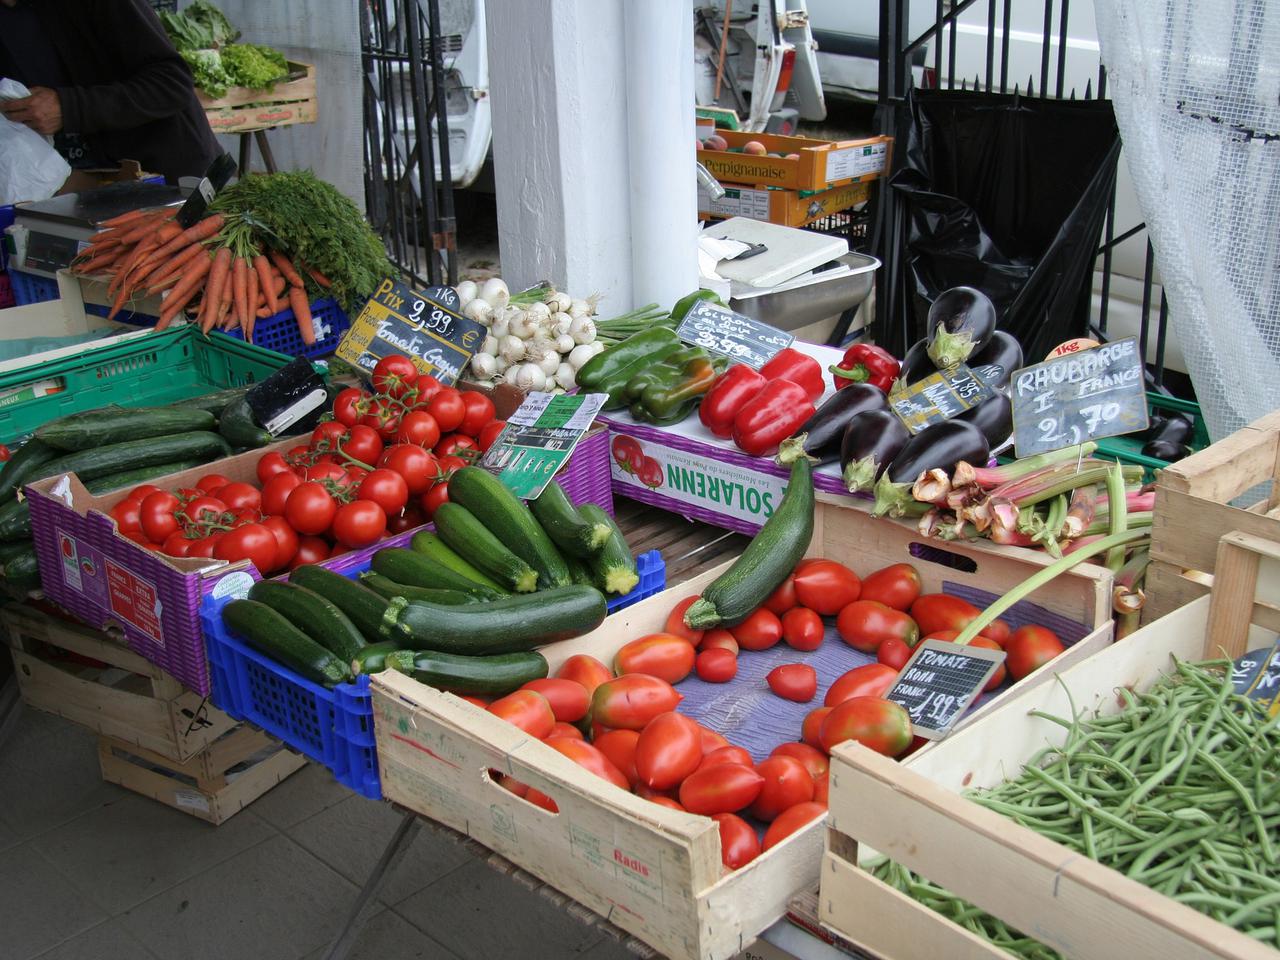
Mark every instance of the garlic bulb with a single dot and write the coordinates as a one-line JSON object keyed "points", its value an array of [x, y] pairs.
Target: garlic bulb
{"points": [[529, 377], [484, 366], [566, 376], [466, 292], [495, 293], [564, 343], [583, 330], [490, 345], [481, 311], [511, 349]]}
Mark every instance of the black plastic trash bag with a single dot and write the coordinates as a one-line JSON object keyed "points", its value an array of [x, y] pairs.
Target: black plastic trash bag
{"points": [[1008, 194]]}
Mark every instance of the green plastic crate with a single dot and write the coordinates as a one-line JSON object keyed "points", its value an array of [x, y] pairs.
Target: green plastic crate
{"points": [[1127, 448], [157, 369]]}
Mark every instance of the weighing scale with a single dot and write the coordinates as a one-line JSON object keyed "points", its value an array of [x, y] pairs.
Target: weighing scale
{"points": [[788, 252]]}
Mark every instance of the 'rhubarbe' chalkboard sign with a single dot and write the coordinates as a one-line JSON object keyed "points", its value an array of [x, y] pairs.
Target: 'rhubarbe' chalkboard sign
{"points": [[1079, 396], [1256, 675], [939, 396], [939, 682], [731, 334]]}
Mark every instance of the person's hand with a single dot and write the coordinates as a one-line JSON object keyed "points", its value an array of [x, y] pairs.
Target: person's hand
{"points": [[42, 111]]}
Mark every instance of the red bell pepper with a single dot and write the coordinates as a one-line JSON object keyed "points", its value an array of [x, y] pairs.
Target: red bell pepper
{"points": [[799, 368], [774, 414], [730, 394], [866, 363]]}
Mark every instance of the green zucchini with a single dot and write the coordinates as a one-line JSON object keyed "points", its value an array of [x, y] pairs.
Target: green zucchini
{"points": [[15, 520], [106, 425], [23, 465], [499, 626], [579, 572], [413, 569], [433, 548], [269, 632], [460, 529], [314, 615], [363, 607], [373, 658], [239, 428], [214, 402], [16, 548], [567, 528], [614, 566], [103, 461], [766, 561], [20, 572], [390, 589], [495, 675], [506, 516]]}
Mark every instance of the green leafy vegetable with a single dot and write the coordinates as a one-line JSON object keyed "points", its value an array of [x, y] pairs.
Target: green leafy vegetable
{"points": [[201, 26], [208, 71], [253, 66]]}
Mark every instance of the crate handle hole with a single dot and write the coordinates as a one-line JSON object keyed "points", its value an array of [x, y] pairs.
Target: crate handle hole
{"points": [[931, 554], [509, 784]]}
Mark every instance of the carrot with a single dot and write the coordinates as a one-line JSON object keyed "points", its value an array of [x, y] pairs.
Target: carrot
{"points": [[124, 275], [319, 277], [125, 218], [263, 313], [213, 287], [278, 285], [302, 313], [167, 272], [186, 289], [224, 302], [250, 305], [94, 265], [262, 268], [203, 230], [142, 228], [285, 266], [240, 280]]}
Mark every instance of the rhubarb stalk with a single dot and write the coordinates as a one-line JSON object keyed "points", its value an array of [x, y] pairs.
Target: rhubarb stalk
{"points": [[990, 477], [1084, 502], [932, 486], [1119, 510]]}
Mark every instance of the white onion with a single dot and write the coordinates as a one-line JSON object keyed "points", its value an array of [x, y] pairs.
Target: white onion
{"points": [[580, 308], [559, 323], [550, 363], [466, 292], [566, 376], [583, 330], [501, 326], [580, 355], [558, 301], [522, 324], [481, 311], [484, 366], [511, 349], [509, 376], [597, 348], [564, 343], [503, 365], [495, 292], [529, 377], [490, 345], [538, 312]]}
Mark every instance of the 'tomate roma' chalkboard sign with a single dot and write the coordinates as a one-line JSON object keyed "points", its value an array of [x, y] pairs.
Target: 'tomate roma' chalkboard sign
{"points": [[1079, 396], [938, 397], [428, 328], [731, 334], [939, 682]]}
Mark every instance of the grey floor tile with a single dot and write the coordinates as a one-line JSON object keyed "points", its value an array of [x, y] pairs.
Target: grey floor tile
{"points": [[478, 914], [388, 937], [8, 837], [350, 836], [41, 909], [106, 941], [274, 901], [306, 793], [610, 949], [130, 850]]}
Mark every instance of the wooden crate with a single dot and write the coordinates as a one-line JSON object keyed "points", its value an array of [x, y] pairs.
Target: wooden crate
{"points": [[83, 674], [215, 784], [816, 164], [790, 208], [913, 813], [1192, 511], [654, 872], [243, 110]]}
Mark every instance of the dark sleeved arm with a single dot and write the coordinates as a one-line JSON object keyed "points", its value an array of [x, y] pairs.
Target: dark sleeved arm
{"points": [[154, 83]]}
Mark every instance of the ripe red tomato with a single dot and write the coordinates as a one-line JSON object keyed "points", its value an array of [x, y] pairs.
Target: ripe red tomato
{"points": [[717, 665], [997, 678], [632, 700], [812, 726], [720, 788], [667, 802], [359, 523], [729, 754], [176, 545], [590, 759], [127, 515], [999, 631], [669, 749], [325, 470], [310, 509], [895, 586], [387, 489], [569, 699], [821, 786], [675, 622], [407, 519], [586, 670], [489, 434], [203, 547], [760, 631], [561, 729], [938, 611], [718, 638], [419, 428], [286, 541], [661, 655], [881, 725], [478, 413], [826, 586], [540, 799], [448, 408], [204, 509], [431, 500], [139, 493], [712, 741], [363, 443], [783, 598], [868, 680], [864, 624], [382, 419], [156, 516], [893, 652], [252, 542], [346, 406], [791, 820], [427, 387], [212, 481], [814, 760], [394, 375], [310, 550], [458, 445], [786, 783], [271, 464], [797, 682], [527, 710], [739, 844], [328, 436], [1030, 648], [450, 464], [240, 496], [620, 747], [802, 629], [276, 490], [416, 465]]}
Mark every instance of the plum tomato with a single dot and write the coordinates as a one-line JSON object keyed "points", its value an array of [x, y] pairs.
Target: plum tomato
{"points": [[797, 682], [893, 652], [662, 655], [940, 611], [489, 434], [591, 759], [761, 630], [786, 783], [791, 820], [729, 754], [675, 622], [632, 700], [783, 598], [878, 724], [419, 428], [716, 665], [569, 699], [720, 788], [826, 586], [276, 490], [718, 638], [360, 523], [868, 680], [527, 710], [997, 678], [814, 760], [669, 749], [812, 726], [1030, 648], [478, 413], [739, 844], [802, 629], [448, 408], [865, 624], [712, 741], [620, 747], [562, 729], [586, 670], [895, 586], [386, 488]]}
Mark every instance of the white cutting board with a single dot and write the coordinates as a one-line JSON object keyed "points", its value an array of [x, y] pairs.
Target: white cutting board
{"points": [[790, 252]]}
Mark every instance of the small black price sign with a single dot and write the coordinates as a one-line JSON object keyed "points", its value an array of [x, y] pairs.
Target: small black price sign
{"points": [[732, 334], [939, 682], [427, 327], [938, 397], [1078, 397], [1256, 675]]}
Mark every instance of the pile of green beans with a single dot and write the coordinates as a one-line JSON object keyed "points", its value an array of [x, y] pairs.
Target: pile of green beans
{"points": [[1180, 791]]}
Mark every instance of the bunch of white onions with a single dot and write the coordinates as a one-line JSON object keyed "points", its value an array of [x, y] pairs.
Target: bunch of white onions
{"points": [[537, 340]]}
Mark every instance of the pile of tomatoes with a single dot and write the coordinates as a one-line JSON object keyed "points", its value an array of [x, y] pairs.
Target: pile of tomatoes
{"points": [[379, 467]]}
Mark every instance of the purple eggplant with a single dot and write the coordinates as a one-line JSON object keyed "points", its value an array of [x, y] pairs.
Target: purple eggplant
{"points": [[937, 447], [820, 436], [871, 441], [994, 364], [916, 365], [1166, 450], [960, 323], [1175, 429], [993, 416]]}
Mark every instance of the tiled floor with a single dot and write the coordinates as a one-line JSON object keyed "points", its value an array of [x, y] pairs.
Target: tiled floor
{"points": [[89, 871]]}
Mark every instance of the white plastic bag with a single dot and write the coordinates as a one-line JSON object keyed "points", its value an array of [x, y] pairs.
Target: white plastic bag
{"points": [[30, 169]]}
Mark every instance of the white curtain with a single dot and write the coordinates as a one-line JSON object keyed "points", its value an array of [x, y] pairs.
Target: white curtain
{"points": [[1196, 89]]}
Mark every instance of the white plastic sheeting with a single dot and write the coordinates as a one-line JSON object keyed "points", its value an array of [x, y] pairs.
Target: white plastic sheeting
{"points": [[1196, 89]]}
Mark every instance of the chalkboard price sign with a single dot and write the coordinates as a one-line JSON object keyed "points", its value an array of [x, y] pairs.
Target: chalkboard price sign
{"points": [[1256, 675], [938, 397], [731, 334], [939, 682], [1079, 396]]}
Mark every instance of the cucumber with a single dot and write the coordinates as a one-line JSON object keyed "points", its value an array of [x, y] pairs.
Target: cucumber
{"points": [[17, 548], [766, 561], [23, 465], [15, 521], [20, 572], [363, 607], [433, 548], [505, 515], [460, 529], [388, 588], [614, 566], [103, 461], [214, 402], [267, 631], [499, 626], [106, 425], [239, 428], [373, 658], [487, 676], [413, 569], [567, 528], [311, 613]]}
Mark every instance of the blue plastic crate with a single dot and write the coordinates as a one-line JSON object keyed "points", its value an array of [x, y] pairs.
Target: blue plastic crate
{"points": [[7, 215], [653, 579], [280, 331], [30, 288]]}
